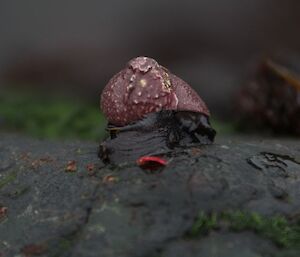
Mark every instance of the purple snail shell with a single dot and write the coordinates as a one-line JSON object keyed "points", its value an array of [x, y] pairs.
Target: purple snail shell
{"points": [[143, 87]]}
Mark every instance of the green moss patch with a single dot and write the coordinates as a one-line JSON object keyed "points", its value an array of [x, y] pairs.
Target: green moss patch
{"points": [[277, 228], [49, 117], [8, 179]]}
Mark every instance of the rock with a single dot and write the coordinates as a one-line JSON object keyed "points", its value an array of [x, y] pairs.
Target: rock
{"points": [[121, 210]]}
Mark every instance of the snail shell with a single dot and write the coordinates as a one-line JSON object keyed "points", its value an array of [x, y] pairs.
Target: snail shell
{"points": [[143, 87]]}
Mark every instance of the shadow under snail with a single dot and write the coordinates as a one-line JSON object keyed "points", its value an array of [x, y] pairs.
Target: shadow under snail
{"points": [[149, 111]]}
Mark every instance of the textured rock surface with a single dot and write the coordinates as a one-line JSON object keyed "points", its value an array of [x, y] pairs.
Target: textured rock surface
{"points": [[62, 201]]}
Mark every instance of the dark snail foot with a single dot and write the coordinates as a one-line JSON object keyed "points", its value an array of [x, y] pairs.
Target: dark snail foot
{"points": [[158, 133]]}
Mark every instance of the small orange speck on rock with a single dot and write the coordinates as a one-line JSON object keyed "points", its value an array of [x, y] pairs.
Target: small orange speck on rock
{"points": [[196, 151], [71, 166], [33, 249], [90, 167], [108, 179], [3, 212]]}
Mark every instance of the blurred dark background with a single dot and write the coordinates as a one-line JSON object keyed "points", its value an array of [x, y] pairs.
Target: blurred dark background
{"points": [[72, 48]]}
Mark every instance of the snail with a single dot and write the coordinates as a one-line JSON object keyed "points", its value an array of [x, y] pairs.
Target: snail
{"points": [[146, 98]]}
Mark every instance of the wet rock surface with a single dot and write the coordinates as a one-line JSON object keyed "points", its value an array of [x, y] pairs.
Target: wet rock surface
{"points": [[61, 200]]}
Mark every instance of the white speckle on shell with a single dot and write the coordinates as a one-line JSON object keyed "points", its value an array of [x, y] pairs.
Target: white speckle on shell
{"points": [[143, 82], [132, 78], [176, 100]]}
